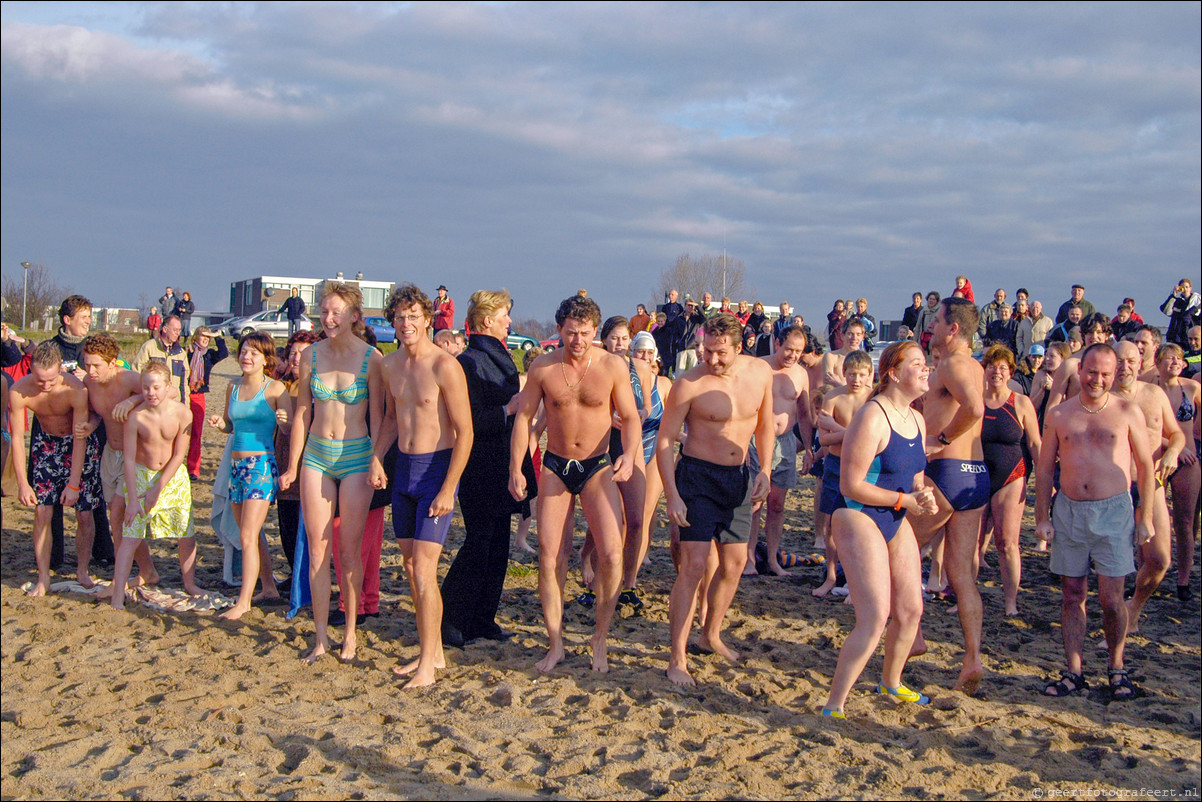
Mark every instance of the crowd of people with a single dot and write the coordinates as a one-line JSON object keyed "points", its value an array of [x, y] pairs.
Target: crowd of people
{"points": [[715, 409]]}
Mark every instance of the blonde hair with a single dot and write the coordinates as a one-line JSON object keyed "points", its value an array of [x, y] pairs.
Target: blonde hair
{"points": [[486, 303], [352, 297]]}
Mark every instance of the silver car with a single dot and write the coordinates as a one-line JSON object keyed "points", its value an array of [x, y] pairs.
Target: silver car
{"points": [[272, 321]]}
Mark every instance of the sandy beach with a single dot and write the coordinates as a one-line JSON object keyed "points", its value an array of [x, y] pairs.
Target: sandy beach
{"points": [[147, 704]]}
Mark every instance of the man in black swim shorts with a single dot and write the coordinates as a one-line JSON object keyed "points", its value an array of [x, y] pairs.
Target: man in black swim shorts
{"points": [[580, 386], [723, 402]]}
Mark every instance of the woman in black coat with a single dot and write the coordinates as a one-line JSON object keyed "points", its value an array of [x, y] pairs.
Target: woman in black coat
{"points": [[471, 591]]}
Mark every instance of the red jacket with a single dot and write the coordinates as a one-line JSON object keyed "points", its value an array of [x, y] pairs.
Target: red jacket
{"points": [[444, 314]]}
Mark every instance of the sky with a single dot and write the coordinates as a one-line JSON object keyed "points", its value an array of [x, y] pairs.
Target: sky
{"points": [[839, 150]]}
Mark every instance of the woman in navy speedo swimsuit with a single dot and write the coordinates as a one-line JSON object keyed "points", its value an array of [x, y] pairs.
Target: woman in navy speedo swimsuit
{"points": [[881, 480]]}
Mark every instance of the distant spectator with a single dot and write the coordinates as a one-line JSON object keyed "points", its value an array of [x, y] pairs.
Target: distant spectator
{"points": [[294, 308], [672, 307], [15, 347], [154, 320], [1004, 330], [707, 307], [784, 321], [744, 312], [1022, 295], [1033, 328], [1134, 315], [167, 303], [444, 310], [910, 316], [757, 317], [925, 325], [184, 309], [861, 314], [641, 320], [206, 350], [164, 347], [1077, 300], [991, 311], [1193, 354], [1061, 331], [964, 287], [834, 324], [1124, 322], [1182, 307]]}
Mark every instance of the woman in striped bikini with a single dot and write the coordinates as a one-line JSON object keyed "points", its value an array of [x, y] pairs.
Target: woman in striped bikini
{"points": [[331, 452]]}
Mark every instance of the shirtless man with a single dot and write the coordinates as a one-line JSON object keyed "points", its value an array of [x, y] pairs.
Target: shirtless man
{"points": [[724, 401], [65, 470], [1166, 441], [1066, 384], [832, 363], [579, 401], [838, 408], [790, 405], [446, 340], [953, 408], [113, 392], [427, 414], [1147, 339], [1095, 437], [158, 492]]}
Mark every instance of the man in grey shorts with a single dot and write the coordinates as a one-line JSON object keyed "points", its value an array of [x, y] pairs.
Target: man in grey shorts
{"points": [[790, 405], [1096, 436]]}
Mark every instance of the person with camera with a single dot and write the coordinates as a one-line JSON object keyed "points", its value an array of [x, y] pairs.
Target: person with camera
{"points": [[1182, 307]]}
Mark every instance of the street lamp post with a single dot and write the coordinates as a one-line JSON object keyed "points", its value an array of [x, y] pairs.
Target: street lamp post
{"points": [[25, 295]]}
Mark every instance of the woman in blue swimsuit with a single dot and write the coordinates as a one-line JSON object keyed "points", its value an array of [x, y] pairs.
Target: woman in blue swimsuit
{"points": [[881, 479], [331, 452], [254, 405]]}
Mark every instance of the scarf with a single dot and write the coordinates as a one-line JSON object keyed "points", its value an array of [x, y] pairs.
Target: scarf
{"points": [[197, 378]]}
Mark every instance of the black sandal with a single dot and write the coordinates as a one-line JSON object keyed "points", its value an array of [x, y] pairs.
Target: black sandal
{"points": [[1069, 684], [1121, 686]]}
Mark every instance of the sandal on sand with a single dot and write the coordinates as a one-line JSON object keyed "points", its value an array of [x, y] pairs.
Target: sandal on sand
{"points": [[1069, 684], [1121, 686], [833, 713], [904, 694], [587, 599]]}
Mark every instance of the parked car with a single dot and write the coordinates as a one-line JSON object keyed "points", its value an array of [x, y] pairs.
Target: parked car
{"points": [[385, 333], [519, 342], [551, 344], [273, 322]]}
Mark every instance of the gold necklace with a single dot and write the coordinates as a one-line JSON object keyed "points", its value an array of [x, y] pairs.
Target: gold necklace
{"points": [[1094, 411], [564, 371], [909, 412]]}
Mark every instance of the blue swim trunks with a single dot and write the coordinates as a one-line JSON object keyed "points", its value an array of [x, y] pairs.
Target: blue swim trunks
{"points": [[254, 477], [964, 483], [417, 480]]}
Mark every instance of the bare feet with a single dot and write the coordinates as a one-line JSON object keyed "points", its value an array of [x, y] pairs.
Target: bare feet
{"points": [[1132, 618], [1012, 613], [823, 589], [349, 645], [749, 569], [411, 666], [679, 675], [554, 655], [526, 547], [919, 647], [84, 579], [970, 679], [719, 648], [148, 581], [193, 589], [236, 612], [600, 654], [264, 595], [40, 588], [319, 651], [775, 568]]}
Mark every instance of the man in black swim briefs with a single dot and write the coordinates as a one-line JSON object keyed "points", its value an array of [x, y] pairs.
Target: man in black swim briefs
{"points": [[580, 386], [954, 407], [723, 401]]}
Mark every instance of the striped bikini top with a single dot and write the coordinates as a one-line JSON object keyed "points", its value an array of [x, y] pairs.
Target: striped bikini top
{"points": [[356, 393]]}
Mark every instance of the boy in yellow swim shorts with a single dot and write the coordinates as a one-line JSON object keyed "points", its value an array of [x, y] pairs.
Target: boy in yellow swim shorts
{"points": [[157, 432]]}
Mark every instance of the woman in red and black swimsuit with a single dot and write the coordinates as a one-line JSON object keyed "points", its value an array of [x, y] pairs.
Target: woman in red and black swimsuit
{"points": [[1010, 441]]}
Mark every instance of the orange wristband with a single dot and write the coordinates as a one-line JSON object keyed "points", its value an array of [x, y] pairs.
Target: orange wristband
{"points": [[897, 507]]}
